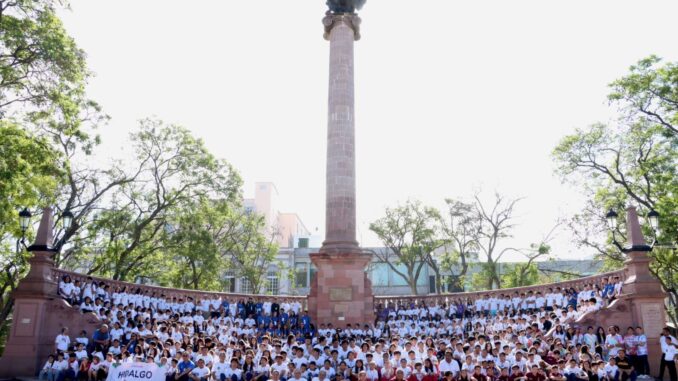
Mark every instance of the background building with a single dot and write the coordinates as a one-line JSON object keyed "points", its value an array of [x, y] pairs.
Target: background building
{"points": [[293, 270]]}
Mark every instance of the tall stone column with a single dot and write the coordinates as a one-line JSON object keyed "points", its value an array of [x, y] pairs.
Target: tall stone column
{"points": [[340, 205], [341, 293]]}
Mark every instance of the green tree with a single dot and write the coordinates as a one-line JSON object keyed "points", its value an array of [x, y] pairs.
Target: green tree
{"points": [[461, 244], [250, 251], [412, 232], [29, 174], [40, 64], [174, 169], [631, 161]]}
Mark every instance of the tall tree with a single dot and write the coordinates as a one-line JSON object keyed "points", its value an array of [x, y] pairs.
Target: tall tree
{"points": [[631, 161], [496, 222], [40, 64], [29, 174], [251, 252], [173, 169], [461, 245], [411, 232]]}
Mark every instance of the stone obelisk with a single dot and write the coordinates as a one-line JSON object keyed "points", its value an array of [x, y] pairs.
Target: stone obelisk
{"points": [[341, 293]]}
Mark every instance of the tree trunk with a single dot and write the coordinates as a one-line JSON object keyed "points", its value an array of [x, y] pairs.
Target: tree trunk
{"points": [[413, 286]]}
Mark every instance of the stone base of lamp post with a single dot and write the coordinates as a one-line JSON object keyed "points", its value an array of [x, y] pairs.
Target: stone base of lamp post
{"points": [[642, 301], [341, 292]]}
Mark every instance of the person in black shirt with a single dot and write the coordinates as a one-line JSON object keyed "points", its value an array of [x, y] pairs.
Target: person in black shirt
{"points": [[626, 369]]}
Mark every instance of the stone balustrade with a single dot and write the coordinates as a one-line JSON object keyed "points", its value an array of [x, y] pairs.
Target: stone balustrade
{"points": [[465, 296], [178, 293], [382, 301]]}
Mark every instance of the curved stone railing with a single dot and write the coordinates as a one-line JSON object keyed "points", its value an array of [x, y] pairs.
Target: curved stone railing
{"points": [[170, 293], [382, 301], [464, 296]]}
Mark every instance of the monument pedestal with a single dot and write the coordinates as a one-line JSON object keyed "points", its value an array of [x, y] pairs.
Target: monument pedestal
{"points": [[341, 292], [641, 303]]}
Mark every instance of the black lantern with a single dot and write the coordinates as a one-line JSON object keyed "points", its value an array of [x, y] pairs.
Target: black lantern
{"points": [[611, 218], [67, 218], [653, 217], [24, 219]]}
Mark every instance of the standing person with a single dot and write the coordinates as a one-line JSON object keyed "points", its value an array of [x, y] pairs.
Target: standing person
{"points": [[642, 363], [669, 350], [613, 342], [62, 341]]}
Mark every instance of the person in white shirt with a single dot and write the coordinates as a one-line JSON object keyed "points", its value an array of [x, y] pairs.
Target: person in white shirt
{"points": [[669, 352], [448, 364], [641, 352], [611, 369], [200, 372], [48, 372], [62, 340], [220, 368]]}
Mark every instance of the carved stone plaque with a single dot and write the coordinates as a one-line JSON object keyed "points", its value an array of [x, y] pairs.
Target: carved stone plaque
{"points": [[341, 294], [653, 318]]}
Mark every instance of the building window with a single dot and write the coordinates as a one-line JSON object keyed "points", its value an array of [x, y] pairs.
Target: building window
{"points": [[272, 284], [301, 274], [245, 286], [380, 271], [229, 282], [312, 271]]}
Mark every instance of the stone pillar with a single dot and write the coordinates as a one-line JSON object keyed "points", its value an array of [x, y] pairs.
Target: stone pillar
{"points": [[643, 290], [340, 204], [39, 313], [642, 300], [341, 293], [28, 344]]}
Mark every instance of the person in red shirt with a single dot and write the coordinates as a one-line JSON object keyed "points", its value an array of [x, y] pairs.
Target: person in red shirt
{"points": [[477, 374], [516, 374], [504, 376], [418, 373], [399, 376], [490, 374], [535, 374]]}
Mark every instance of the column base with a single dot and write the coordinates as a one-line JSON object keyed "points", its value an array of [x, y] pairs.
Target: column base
{"points": [[341, 292]]}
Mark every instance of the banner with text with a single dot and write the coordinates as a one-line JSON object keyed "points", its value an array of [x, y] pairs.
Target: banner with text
{"points": [[137, 371]]}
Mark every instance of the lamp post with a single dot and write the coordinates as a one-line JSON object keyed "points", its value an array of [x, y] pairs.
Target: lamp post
{"points": [[652, 217], [25, 220]]}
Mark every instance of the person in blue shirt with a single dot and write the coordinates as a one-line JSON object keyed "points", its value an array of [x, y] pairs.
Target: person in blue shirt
{"points": [[242, 311], [226, 306], [306, 322], [608, 289], [284, 317], [185, 367]]}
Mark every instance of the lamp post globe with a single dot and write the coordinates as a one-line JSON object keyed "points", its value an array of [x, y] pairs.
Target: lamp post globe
{"points": [[611, 218], [67, 218], [24, 219], [653, 217]]}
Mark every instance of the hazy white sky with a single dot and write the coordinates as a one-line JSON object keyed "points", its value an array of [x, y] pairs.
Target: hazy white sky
{"points": [[450, 95]]}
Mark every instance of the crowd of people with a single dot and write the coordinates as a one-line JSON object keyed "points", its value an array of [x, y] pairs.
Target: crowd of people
{"points": [[518, 337]]}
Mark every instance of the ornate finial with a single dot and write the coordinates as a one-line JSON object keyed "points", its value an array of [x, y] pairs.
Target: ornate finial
{"points": [[344, 6], [350, 19]]}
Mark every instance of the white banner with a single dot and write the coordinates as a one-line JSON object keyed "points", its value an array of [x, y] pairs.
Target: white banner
{"points": [[137, 371]]}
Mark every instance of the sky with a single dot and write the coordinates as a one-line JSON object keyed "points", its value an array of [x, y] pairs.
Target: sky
{"points": [[451, 96]]}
